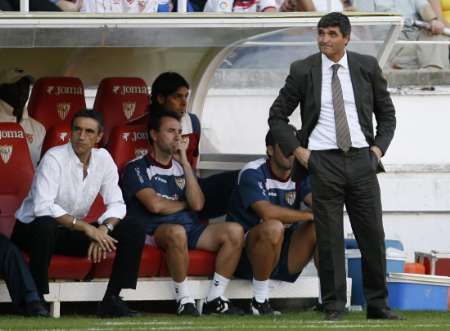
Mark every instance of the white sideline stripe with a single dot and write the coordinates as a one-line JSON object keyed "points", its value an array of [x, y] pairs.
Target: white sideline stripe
{"points": [[160, 325], [296, 326]]}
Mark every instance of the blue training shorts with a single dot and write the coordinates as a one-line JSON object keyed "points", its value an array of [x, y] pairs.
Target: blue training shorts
{"points": [[193, 231], [280, 272]]}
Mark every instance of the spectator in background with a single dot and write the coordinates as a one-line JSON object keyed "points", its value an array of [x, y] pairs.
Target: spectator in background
{"points": [[445, 10], [127, 6], [297, 5], [333, 5], [426, 56], [240, 6], [14, 91], [35, 5], [316, 5], [68, 5]]}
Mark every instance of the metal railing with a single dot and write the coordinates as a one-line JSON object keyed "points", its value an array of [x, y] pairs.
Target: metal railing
{"points": [[24, 6]]}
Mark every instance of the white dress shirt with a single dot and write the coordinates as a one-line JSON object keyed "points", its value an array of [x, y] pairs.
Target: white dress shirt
{"points": [[323, 135], [59, 188], [34, 131]]}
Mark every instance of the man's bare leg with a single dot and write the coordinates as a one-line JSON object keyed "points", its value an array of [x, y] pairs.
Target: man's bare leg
{"points": [[227, 239], [172, 239], [302, 247]]}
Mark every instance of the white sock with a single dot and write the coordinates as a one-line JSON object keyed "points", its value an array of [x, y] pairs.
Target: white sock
{"points": [[260, 290], [182, 292], [218, 286]]}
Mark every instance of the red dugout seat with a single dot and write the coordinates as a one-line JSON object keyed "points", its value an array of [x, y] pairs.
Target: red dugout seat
{"points": [[121, 100], [150, 264], [67, 267], [16, 171], [54, 100], [201, 263], [128, 142], [55, 136]]}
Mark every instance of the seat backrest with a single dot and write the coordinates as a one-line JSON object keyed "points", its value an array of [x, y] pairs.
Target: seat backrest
{"points": [[128, 142], [121, 100], [54, 100], [16, 171], [55, 136]]}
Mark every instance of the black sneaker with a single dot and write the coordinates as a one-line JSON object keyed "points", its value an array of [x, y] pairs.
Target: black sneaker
{"points": [[264, 308], [221, 305], [187, 309], [115, 307], [36, 309]]}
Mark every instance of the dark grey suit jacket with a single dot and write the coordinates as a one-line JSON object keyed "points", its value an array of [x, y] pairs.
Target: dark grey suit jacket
{"points": [[303, 86]]}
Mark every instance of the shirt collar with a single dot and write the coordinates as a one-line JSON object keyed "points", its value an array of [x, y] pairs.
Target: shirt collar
{"points": [[156, 163], [75, 158], [273, 175], [327, 63]]}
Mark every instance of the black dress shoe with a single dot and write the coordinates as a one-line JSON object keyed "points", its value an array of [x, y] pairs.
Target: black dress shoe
{"points": [[382, 314], [334, 315], [36, 309], [114, 306]]}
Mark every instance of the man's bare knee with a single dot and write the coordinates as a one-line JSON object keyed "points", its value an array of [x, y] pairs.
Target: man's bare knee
{"points": [[173, 237], [234, 234], [271, 231]]}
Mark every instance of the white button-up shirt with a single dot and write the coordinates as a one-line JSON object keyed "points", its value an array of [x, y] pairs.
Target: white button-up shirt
{"points": [[59, 188], [324, 134]]}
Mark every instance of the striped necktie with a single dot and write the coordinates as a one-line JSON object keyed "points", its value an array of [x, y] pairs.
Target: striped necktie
{"points": [[340, 119]]}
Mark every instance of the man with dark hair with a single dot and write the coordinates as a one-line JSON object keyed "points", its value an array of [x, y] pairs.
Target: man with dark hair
{"points": [[161, 191], [339, 92], [171, 91], [50, 219], [14, 91], [278, 241]]}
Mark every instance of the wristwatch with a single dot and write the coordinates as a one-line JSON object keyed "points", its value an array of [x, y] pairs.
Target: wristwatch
{"points": [[109, 226]]}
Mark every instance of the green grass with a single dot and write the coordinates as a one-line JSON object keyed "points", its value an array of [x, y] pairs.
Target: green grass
{"points": [[288, 321]]}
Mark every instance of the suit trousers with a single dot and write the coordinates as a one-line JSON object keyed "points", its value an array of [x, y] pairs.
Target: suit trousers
{"points": [[44, 237], [348, 178], [17, 277]]}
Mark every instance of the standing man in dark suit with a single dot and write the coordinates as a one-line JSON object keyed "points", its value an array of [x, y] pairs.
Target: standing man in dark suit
{"points": [[339, 92]]}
